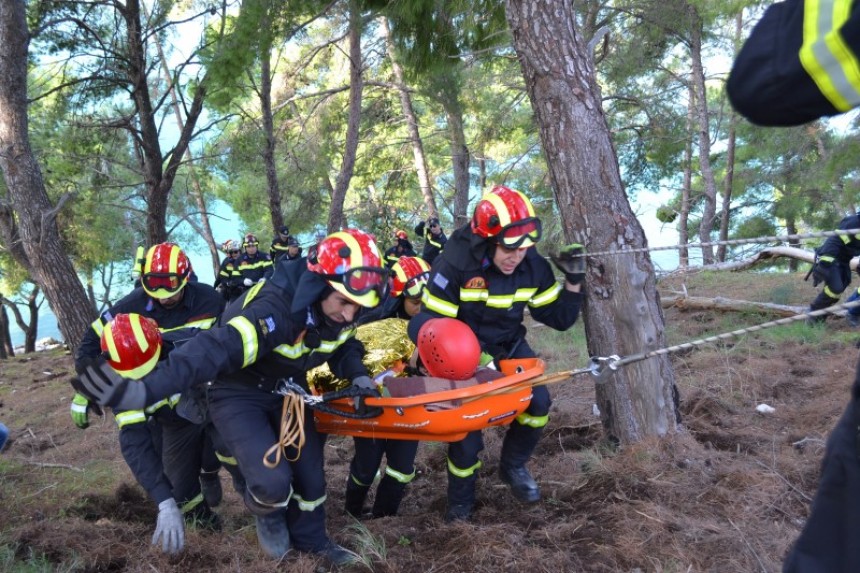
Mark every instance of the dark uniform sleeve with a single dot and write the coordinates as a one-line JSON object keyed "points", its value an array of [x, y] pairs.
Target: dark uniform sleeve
{"points": [[441, 297], [90, 346], [135, 441], [784, 77], [552, 304], [346, 362], [238, 343]]}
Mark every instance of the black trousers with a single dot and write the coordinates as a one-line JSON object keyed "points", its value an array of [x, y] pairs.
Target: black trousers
{"points": [[828, 542], [520, 442], [248, 421]]}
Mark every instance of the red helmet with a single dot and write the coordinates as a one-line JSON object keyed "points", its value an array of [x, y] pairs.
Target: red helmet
{"points": [[398, 234], [350, 262], [448, 348], [132, 343], [409, 276], [508, 216], [165, 270]]}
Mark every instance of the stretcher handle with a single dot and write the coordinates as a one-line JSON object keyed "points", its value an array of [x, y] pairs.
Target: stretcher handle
{"points": [[362, 410]]}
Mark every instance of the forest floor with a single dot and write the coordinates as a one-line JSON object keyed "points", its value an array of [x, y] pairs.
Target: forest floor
{"points": [[729, 493]]}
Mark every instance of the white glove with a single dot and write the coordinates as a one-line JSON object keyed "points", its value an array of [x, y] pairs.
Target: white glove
{"points": [[247, 282], [170, 528]]}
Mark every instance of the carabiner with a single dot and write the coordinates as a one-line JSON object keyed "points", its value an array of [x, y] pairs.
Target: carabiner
{"points": [[601, 366]]}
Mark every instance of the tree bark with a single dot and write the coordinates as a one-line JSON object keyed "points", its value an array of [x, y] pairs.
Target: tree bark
{"points": [[709, 208], [199, 197], [687, 187], [46, 259], [419, 158], [336, 218], [450, 99], [726, 207], [622, 311], [6, 349], [159, 170], [273, 188]]}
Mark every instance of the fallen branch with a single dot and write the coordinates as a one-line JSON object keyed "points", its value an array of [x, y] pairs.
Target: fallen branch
{"points": [[685, 302], [52, 465]]}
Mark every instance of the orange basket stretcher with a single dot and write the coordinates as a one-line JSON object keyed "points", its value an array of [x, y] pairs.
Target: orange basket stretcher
{"points": [[466, 410]]}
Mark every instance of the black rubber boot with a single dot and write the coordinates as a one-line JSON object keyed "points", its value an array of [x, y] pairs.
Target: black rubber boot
{"points": [[203, 517], [461, 497], [210, 485], [337, 555], [389, 494], [459, 512], [272, 533], [355, 496], [523, 485]]}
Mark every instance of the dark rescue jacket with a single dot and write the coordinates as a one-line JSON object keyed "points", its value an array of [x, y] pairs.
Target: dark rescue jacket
{"points": [[465, 285], [783, 76], [200, 308], [253, 267], [275, 330], [842, 248]]}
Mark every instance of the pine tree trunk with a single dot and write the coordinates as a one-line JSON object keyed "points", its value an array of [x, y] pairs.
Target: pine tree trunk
{"points": [[47, 262], [418, 155], [273, 187], [622, 311], [709, 207], [336, 218]]}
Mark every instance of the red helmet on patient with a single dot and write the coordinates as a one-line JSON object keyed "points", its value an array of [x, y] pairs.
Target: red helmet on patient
{"points": [[448, 348]]}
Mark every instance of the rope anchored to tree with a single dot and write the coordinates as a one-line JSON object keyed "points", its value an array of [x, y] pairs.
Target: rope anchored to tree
{"points": [[755, 240]]}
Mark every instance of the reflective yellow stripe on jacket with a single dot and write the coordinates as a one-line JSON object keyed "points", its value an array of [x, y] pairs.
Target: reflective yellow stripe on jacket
{"points": [[824, 54]]}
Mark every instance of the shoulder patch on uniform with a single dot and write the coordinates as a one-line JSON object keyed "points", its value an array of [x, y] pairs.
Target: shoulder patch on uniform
{"points": [[476, 282], [267, 325], [440, 281]]}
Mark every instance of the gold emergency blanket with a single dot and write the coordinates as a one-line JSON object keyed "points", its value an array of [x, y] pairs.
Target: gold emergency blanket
{"points": [[388, 351]]}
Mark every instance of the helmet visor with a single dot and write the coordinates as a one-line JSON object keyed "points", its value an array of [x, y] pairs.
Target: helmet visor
{"points": [[161, 283], [415, 286], [362, 280], [524, 233]]}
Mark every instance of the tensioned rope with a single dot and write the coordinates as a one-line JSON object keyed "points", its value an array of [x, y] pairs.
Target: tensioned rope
{"points": [[752, 241]]}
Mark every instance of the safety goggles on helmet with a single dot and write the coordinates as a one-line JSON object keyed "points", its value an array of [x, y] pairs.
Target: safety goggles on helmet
{"points": [[360, 281], [163, 283], [521, 234], [415, 286]]}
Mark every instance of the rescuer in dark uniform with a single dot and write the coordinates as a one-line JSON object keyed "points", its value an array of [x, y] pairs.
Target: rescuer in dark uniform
{"points": [[300, 318], [487, 275], [434, 238]]}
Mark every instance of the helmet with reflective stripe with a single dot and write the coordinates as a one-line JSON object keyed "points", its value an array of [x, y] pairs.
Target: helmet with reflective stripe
{"points": [[508, 217], [165, 270], [231, 245], [448, 348], [409, 276], [250, 240], [132, 343], [350, 262]]}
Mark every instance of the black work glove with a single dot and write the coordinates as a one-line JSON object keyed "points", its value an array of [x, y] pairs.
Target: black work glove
{"points": [[102, 385], [571, 262], [419, 229]]}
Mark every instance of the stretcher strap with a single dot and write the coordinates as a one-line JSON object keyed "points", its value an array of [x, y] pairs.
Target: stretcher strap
{"points": [[292, 432]]}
